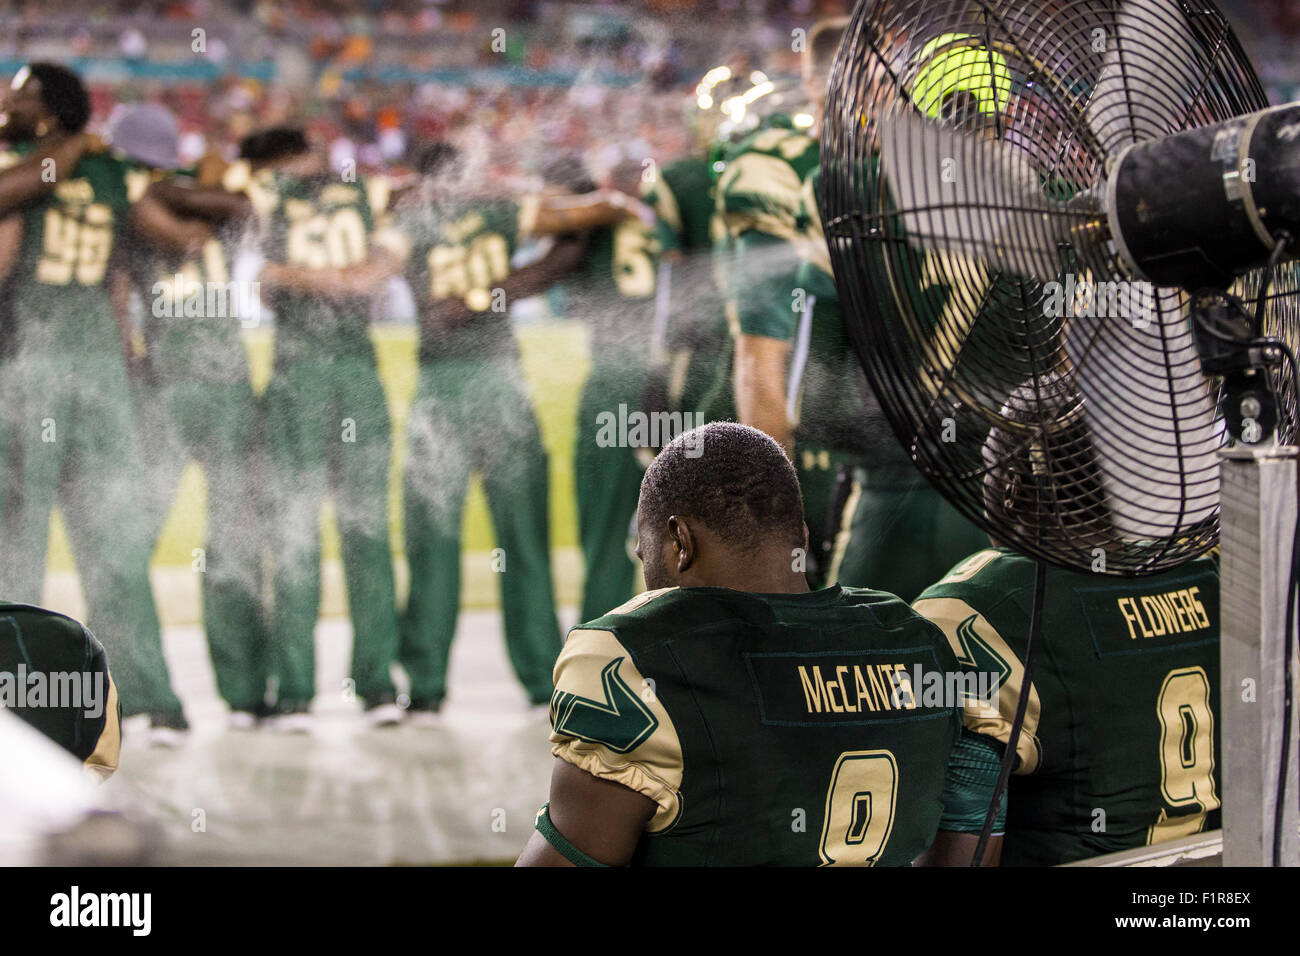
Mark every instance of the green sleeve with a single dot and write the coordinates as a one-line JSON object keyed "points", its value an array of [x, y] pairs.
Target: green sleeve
{"points": [[969, 784], [668, 217], [763, 280]]}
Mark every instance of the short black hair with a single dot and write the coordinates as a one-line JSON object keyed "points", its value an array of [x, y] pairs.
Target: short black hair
{"points": [[734, 479], [569, 172], [63, 94], [275, 142], [430, 159]]}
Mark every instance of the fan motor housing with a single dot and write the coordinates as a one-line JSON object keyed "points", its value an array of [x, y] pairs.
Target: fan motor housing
{"points": [[1200, 208]]}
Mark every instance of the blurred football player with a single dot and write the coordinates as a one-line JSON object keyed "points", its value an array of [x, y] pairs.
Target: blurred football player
{"points": [[729, 715], [897, 532], [328, 430], [614, 296], [690, 314], [195, 399], [75, 438], [472, 412], [792, 378], [1119, 746]]}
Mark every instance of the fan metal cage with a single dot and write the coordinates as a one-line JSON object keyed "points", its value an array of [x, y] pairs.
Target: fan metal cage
{"points": [[1054, 399]]}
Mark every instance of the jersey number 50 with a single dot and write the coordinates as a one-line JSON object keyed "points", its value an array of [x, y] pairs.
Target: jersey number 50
{"points": [[326, 241], [457, 271]]}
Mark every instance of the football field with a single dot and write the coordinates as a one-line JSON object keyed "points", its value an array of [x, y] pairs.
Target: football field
{"points": [[346, 794], [555, 361]]}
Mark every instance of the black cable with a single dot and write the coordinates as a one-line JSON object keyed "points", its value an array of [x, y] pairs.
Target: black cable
{"points": [[1022, 704], [1257, 326]]}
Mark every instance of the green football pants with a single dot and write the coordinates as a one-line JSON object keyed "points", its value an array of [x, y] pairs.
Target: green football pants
{"points": [[79, 447], [819, 471], [608, 484], [216, 424], [472, 414], [329, 434], [901, 538]]}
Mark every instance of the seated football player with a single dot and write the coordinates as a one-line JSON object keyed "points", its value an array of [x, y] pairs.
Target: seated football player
{"points": [[54, 675], [729, 715], [1119, 743]]}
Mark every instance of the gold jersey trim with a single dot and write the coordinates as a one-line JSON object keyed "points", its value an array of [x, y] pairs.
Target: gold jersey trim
{"points": [[529, 208], [964, 626], [665, 204], [650, 763], [102, 763]]}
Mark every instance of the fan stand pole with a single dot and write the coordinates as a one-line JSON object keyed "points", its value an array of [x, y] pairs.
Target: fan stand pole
{"points": [[1258, 515]]}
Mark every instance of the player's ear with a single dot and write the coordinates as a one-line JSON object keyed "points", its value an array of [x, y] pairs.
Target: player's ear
{"points": [[683, 542], [805, 537]]}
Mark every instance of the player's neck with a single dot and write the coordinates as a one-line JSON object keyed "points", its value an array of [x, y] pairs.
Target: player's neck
{"points": [[49, 140], [769, 571]]}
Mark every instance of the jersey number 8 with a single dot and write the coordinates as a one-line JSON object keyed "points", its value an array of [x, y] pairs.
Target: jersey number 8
{"points": [[859, 808]]}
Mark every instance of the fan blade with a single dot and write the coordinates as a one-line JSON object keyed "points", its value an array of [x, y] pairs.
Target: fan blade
{"points": [[1152, 53], [1152, 416], [957, 192]]}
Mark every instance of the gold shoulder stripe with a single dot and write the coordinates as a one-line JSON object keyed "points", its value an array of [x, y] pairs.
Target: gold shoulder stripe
{"points": [[665, 204], [529, 206], [971, 566], [237, 176], [772, 182], [378, 190], [640, 601], [137, 181], [979, 647], [607, 720]]}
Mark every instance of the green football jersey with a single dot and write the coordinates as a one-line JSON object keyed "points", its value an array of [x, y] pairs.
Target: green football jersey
{"points": [[61, 276], [192, 322], [781, 729], [759, 199], [54, 675], [829, 397], [192, 309], [463, 252], [682, 198], [319, 223], [687, 222], [615, 289], [1119, 744]]}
